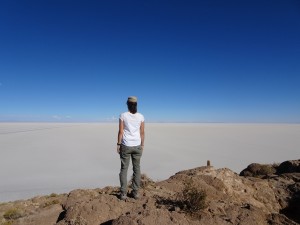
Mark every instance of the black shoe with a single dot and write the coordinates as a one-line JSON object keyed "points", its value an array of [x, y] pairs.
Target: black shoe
{"points": [[123, 196], [135, 195]]}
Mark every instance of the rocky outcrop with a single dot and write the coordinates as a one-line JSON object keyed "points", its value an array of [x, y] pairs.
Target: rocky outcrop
{"points": [[259, 170], [291, 166], [39, 210], [284, 178], [271, 198]]}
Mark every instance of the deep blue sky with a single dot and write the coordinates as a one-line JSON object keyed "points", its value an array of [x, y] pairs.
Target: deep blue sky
{"points": [[187, 61]]}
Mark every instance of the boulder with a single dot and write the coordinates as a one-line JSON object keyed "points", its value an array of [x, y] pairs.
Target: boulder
{"points": [[290, 166], [258, 170]]}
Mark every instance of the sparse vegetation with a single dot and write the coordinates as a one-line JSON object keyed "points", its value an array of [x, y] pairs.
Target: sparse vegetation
{"points": [[12, 214], [9, 222], [53, 202], [53, 195], [145, 181], [192, 199]]}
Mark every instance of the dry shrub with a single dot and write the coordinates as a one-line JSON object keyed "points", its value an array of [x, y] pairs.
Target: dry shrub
{"points": [[53, 195], [12, 214], [53, 202], [145, 181], [9, 222], [192, 199]]}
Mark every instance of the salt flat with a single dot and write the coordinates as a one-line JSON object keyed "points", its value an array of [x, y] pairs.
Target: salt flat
{"points": [[42, 158]]}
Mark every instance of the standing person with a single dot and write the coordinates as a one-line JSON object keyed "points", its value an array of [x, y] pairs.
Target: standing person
{"points": [[130, 144]]}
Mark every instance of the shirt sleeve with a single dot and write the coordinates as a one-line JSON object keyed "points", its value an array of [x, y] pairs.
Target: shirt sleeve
{"points": [[121, 117]]}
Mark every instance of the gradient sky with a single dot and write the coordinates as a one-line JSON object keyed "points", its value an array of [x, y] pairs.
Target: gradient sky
{"points": [[187, 61]]}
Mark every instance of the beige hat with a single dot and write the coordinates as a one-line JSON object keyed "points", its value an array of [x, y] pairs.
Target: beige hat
{"points": [[132, 99]]}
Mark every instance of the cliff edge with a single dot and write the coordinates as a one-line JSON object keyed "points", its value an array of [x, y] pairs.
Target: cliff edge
{"points": [[260, 194]]}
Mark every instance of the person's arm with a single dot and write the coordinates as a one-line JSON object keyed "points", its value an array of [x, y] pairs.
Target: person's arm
{"points": [[120, 134], [142, 132]]}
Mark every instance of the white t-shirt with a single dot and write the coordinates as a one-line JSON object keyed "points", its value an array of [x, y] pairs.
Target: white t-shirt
{"points": [[132, 124]]}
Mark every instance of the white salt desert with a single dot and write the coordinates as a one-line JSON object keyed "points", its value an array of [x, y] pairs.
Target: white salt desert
{"points": [[43, 158]]}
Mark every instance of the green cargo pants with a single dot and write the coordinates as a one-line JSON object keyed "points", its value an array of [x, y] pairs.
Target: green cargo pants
{"points": [[135, 153]]}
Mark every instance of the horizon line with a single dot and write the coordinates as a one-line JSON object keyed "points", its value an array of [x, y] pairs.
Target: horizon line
{"points": [[163, 122]]}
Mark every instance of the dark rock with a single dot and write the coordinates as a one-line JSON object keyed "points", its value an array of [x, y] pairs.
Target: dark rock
{"points": [[258, 170], [279, 219], [291, 166]]}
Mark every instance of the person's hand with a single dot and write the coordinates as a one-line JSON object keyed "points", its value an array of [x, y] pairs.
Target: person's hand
{"points": [[142, 147], [118, 149]]}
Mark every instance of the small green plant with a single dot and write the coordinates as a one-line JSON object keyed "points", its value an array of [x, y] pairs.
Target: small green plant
{"points": [[192, 199]]}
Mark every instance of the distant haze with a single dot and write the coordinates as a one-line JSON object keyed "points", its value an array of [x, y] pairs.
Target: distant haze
{"points": [[42, 158]]}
